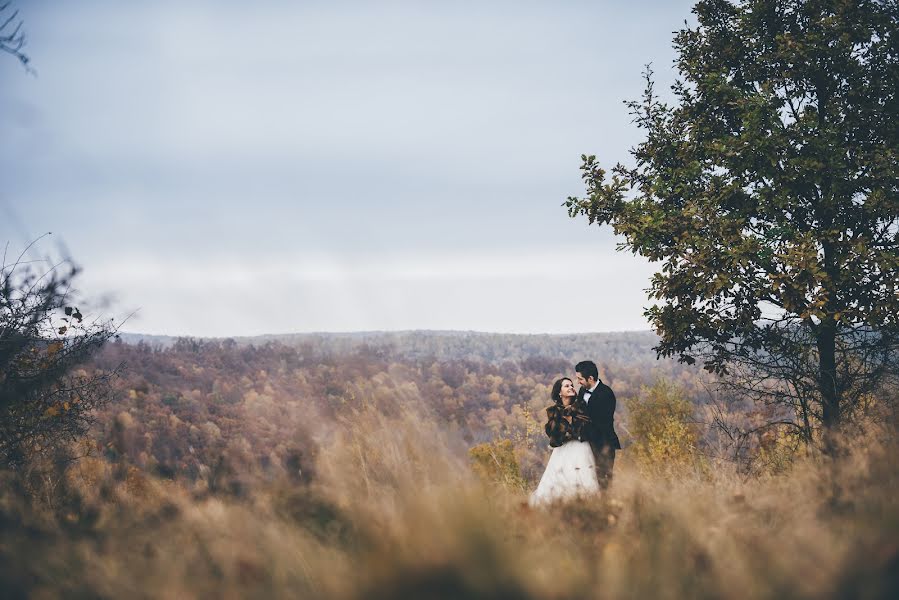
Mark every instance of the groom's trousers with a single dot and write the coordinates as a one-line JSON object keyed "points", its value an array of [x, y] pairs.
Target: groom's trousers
{"points": [[604, 458]]}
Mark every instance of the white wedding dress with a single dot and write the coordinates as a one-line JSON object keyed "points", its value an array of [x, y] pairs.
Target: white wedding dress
{"points": [[570, 472]]}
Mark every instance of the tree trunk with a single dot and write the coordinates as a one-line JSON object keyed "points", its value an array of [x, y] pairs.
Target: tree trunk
{"points": [[827, 380]]}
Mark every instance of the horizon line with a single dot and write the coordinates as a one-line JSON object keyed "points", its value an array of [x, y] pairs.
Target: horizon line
{"points": [[379, 331]]}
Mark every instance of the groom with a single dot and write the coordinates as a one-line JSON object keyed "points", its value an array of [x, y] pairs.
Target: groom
{"points": [[601, 409]]}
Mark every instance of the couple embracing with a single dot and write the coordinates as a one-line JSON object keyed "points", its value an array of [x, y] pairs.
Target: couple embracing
{"points": [[581, 430]]}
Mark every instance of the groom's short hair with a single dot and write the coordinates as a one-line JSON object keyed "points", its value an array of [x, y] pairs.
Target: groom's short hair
{"points": [[588, 369]]}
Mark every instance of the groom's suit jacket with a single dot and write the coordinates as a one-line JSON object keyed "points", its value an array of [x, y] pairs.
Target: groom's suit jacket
{"points": [[601, 410]]}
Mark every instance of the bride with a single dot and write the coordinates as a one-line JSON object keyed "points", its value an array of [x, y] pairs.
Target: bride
{"points": [[571, 470]]}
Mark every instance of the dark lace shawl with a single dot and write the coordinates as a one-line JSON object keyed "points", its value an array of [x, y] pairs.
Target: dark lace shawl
{"points": [[565, 423]]}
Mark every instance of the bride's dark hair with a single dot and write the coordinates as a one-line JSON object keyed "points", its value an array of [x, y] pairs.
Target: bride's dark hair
{"points": [[556, 394]]}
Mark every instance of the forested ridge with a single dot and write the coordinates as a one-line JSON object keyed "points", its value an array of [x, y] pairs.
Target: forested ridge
{"points": [[451, 345], [182, 408]]}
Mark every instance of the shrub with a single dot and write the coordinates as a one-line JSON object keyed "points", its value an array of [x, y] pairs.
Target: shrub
{"points": [[664, 435], [495, 462]]}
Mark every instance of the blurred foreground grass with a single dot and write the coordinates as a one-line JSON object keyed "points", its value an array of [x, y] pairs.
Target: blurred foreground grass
{"points": [[395, 512]]}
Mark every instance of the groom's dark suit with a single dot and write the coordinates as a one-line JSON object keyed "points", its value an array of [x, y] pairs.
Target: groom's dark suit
{"points": [[602, 437]]}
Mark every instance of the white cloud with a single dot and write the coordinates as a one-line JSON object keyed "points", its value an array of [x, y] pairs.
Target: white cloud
{"points": [[539, 291]]}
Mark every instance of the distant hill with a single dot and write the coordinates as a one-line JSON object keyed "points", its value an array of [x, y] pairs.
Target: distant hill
{"points": [[494, 348], [186, 408], [157, 341]]}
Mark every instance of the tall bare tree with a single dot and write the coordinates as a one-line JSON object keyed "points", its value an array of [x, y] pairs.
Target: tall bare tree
{"points": [[12, 36]]}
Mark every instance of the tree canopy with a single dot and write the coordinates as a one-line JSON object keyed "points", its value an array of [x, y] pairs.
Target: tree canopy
{"points": [[768, 190]]}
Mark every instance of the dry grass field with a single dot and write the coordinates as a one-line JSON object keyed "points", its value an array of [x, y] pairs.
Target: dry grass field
{"points": [[395, 512]]}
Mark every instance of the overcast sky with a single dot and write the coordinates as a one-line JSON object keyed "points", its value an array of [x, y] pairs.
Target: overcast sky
{"points": [[239, 168]]}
